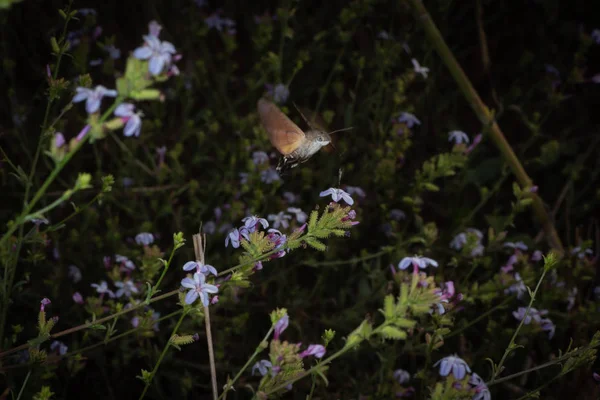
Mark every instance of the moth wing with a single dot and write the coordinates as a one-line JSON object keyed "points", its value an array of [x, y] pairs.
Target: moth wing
{"points": [[285, 135]]}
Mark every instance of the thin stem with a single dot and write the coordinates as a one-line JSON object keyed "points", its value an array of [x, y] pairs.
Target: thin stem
{"points": [[162, 356], [511, 345], [258, 349], [24, 384], [479, 318], [487, 119]]}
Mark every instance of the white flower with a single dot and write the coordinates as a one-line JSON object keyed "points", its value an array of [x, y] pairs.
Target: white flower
{"points": [[421, 262], [458, 137]]}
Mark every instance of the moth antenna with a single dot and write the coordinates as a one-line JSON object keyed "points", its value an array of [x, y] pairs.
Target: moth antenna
{"points": [[303, 117], [341, 130]]}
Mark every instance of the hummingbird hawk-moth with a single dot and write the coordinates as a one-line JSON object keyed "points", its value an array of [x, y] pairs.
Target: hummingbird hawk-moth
{"points": [[295, 145]]}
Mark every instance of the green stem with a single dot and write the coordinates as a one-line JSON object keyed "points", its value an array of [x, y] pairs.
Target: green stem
{"points": [[487, 119], [162, 356], [24, 384], [164, 272], [257, 351]]}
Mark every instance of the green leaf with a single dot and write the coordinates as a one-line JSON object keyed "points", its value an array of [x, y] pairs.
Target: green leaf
{"points": [[389, 305], [390, 332]]}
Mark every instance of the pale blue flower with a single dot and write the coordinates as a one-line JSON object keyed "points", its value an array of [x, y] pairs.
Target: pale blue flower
{"points": [[262, 367], [455, 365], [92, 97], [144, 238], [280, 219], [408, 119], [518, 287], [482, 392], [337, 195], [516, 245], [418, 261], [397, 214], [159, 54], [251, 223], [269, 175], [279, 92], [234, 237], [419, 69], [126, 288], [215, 21], [74, 273], [355, 190], [133, 125], [301, 216], [102, 288], [113, 52], [582, 253], [205, 269], [401, 376], [458, 137], [198, 288], [59, 347], [259, 157]]}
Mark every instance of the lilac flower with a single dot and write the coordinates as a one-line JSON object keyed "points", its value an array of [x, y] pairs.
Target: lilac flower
{"points": [[215, 21], [280, 219], [45, 301], [582, 253], [518, 287], [198, 288], [251, 223], [126, 289], [290, 197], [401, 376], [281, 326], [408, 119], [259, 157], [571, 298], [355, 190], [453, 364], [158, 53], [210, 227], [481, 390], [59, 140], [74, 273], [243, 178], [133, 120], [278, 239], [40, 221], [262, 367], [234, 237], [102, 289], [161, 152], [113, 52], [92, 98], [125, 262], [144, 238], [397, 215], [416, 261], [516, 246], [269, 176], [536, 256], [532, 315], [258, 266], [419, 69], [548, 326], [154, 28], [316, 350], [596, 36], [96, 62], [86, 11], [596, 377], [279, 92], [59, 347], [337, 195], [301, 216], [77, 298], [200, 267], [459, 241], [458, 137]]}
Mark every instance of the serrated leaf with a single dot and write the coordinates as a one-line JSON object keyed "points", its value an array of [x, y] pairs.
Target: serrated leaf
{"points": [[404, 323], [316, 244], [390, 332], [312, 222], [389, 306]]}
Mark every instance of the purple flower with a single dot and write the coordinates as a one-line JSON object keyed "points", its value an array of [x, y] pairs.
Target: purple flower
{"points": [[92, 98], [200, 267], [59, 140], [262, 367], [416, 262], [259, 157], [234, 237], [408, 119], [453, 364], [215, 21], [516, 245], [126, 288], [133, 120], [536, 256], [251, 223], [269, 175], [154, 28], [45, 301], [532, 315], [355, 190], [518, 287], [458, 137], [571, 298], [596, 36], [59, 347], [280, 219], [144, 238], [582, 253], [210, 227], [198, 288], [301, 216], [102, 289], [161, 152], [337, 195], [401, 376], [290, 197], [279, 92], [281, 326], [159, 54], [397, 215], [125, 262], [316, 350], [419, 69], [113, 52], [77, 298], [481, 390], [74, 273]]}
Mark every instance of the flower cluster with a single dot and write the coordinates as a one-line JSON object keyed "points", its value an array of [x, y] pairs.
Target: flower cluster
{"points": [[459, 369], [538, 317], [471, 240]]}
